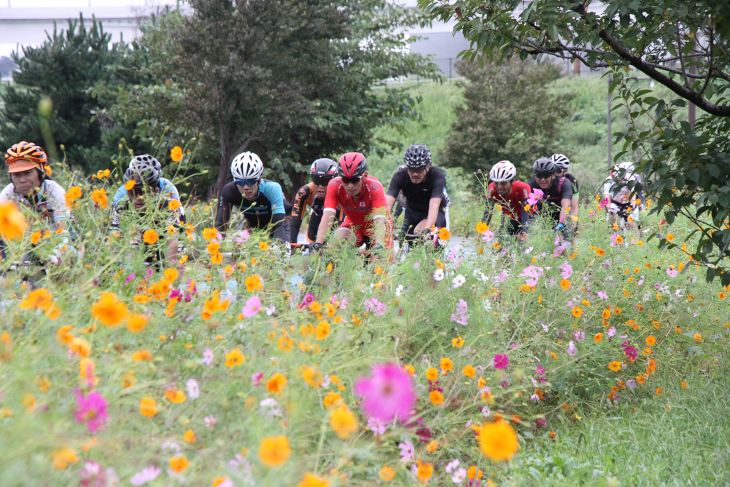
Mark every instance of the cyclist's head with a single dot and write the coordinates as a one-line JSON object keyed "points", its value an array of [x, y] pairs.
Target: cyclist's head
{"points": [[418, 161], [351, 169], [502, 175], [544, 171], [623, 170], [561, 162], [26, 163], [247, 170], [145, 170], [322, 172]]}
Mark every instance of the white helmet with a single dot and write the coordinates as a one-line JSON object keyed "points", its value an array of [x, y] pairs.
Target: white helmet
{"points": [[502, 171], [560, 161], [627, 167], [247, 165]]}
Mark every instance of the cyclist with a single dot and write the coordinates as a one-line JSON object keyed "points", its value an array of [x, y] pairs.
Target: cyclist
{"points": [[422, 185], [367, 219], [562, 164], [557, 193], [166, 185], [30, 185], [620, 198], [160, 216], [312, 195], [260, 200], [510, 194]]}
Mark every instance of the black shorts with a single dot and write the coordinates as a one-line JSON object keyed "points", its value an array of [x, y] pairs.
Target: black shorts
{"points": [[412, 218]]}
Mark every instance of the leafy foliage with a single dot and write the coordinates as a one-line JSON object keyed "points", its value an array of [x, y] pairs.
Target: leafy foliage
{"points": [[508, 113], [63, 70], [290, 81], [683, 46]]}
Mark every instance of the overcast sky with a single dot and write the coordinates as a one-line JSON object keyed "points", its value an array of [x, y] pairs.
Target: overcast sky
{"points": [[78, 3]]}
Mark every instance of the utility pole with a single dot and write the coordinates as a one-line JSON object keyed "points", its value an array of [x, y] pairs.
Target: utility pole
{"points": [[608, 121]]}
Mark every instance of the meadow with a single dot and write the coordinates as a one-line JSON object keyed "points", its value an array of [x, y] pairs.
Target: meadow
{"points": [[493, 362]]}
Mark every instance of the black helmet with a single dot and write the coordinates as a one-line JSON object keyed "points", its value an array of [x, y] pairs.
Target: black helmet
{"points": [[146, 167], [543, 166], [322, 171], [417, 156]]}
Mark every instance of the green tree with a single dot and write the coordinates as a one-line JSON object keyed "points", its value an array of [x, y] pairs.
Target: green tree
{"points": [[681, 45], [68, 64], [508, 114], [292, 81]]}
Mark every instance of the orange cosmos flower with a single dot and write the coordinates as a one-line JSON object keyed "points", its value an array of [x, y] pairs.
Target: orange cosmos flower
{"points": [[173, 205], [498, 441], [176, 154], [598, 337], [234, 358], [129, 185], [12, 222], [447, 365], [276, 383], [179, 464], [274, 451], [650, 340], [140, 355], [148, 407], [109, 310], [99, 197], [72, 195], [424, 472], [436, 398], [343, 421], [175, 396], [136, 323], [469, 371], [565, 284], [577, 311], [388, 473], [150, 237]]}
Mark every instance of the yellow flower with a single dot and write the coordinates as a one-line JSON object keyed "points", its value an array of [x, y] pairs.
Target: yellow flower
{"points": [[276, 383], [387, 473], [432, 374], [565, 284], [482, 227], [234, 357], [38, 299], [436, 398], [457, 342], [176, 154], [598, 337], [136, 323], [72, 195], [425, 471], [150, 237], [577, 311], [99, 197], [469, 371], [322, 330], [263, 246], [698, 337], [274, 451], [109, 310], [173, 205], [409, 369], [140, 355], [189, 436], [12, 221], [253, 283], [343, 422], [432, 446], [210, 233], [313, 481], [331, 400], [128, 380], [179, 464], [62, 457], [614, 366], [498, 441], [669, 237], [129, 185], [148, 407], [444, 234], [446, 364], [175, 396]]}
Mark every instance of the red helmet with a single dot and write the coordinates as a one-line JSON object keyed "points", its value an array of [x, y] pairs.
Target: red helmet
{"points": [[352, 165]]}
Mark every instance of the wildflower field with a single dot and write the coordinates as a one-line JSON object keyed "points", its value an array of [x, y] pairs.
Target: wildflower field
{"points": [[491, 362]]}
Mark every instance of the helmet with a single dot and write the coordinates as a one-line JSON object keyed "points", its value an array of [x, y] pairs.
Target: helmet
{"points": [[323, 170], [502, 171], [417, 156], [561, 162], [146, 167], [25, 155], [352, 165], [627, 168], [543, 165], [247, 165]]}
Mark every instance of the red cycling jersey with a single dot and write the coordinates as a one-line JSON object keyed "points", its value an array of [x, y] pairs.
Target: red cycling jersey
{"points": [[359, 215], [513, 207]]}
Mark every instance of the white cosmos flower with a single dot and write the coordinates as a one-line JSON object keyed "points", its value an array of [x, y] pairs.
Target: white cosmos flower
{"points": [[459, 280], [438, 275]]}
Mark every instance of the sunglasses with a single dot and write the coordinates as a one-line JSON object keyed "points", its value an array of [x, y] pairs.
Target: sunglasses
{"points": [[543, 175], [350, 180], [246, 182]]}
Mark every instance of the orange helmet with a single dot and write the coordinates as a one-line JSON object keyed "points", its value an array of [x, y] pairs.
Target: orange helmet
{"points": [[25, 155]]}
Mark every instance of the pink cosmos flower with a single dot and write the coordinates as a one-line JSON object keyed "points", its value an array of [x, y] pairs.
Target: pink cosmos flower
{"points": [[207, 356], [307, 300], [571, 349], [252, 307], [376, 426], [567, 270], [193, 388], [147, 474], [92, 475], [91, 410], [242, 237], [533, 273], [501, 361], [535, 196], [487, 236], [603, 203], [387, 394], [407, 451], [672, 272], [460, 316], [256, 379], [129, 278]]}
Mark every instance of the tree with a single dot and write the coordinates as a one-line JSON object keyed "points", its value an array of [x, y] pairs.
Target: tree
{"points": [[681, 45], [63, 70], [291, 81], [508, 114]]}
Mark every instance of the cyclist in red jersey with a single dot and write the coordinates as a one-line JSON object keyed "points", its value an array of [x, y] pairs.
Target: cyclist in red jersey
{"points": [[511, 195], [367, 219]]}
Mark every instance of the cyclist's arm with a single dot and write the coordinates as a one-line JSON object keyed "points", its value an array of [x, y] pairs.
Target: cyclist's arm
{"points": [[172, 244], [566, 198], [297, 212], [223, 215], [389, 201], [433, 211], [397, 182], [61, 212], [524, 215], [328, 218], [273, 193], [379, 229]]}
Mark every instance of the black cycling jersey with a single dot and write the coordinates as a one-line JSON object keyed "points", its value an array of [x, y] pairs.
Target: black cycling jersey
{"points": [[307, 196], [560, 190], [418, 196], [573, 183], [267, 208]]}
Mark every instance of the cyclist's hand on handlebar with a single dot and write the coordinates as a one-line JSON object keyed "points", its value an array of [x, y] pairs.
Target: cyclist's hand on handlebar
{"points": [[316, 247], [560, 226]]}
